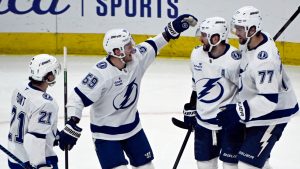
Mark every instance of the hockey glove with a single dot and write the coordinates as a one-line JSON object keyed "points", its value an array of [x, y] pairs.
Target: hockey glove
{"points": [[69, 136], [231, 115], [189, 113], [180, 24]]}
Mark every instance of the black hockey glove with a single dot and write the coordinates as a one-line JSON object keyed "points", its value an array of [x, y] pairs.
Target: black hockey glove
{"points": [[189, 113], [180, 24], [69, 136]]}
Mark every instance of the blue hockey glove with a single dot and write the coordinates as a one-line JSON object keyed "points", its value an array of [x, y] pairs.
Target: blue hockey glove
{"points": [[189, 113], [69, 136], [180, 24], [231, 114]]}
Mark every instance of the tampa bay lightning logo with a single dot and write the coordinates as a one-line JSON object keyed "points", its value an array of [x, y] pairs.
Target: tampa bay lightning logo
{"points": [[142, 49], [236, 55], [47, 97], [185, 25], [127, 97], [102, 65], [262, 55], [211, 91]]}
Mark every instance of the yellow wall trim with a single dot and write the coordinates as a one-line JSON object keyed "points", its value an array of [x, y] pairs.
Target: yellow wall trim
{"points": [[91, 44]]}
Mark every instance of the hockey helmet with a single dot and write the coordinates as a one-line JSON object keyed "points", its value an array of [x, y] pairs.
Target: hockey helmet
{"points": [[247, 17], [42, 64], [117, 39], [213, 26]]}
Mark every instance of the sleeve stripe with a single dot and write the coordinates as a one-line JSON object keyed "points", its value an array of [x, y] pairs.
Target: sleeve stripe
{"points": [[85, 100], [271, 97], [152, 43], [38, 135]]}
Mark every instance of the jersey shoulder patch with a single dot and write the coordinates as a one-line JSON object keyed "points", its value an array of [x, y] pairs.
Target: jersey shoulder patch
{"points": [[236, 55], [47, 97], [101, 65], [142, 49], [262, 55]]}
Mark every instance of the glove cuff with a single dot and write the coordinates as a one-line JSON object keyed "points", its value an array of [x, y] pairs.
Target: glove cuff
{"points": [[242, 109], [189, 113], [171, 32], [73, 131]]}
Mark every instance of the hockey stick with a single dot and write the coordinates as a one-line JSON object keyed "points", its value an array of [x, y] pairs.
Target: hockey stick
{"points": [[182, 125], [65, 102], [12, 156], [287, 24], [179, 123]]}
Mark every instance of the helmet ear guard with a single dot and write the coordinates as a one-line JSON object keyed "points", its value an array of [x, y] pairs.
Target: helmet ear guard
{"points": [[117, 39]]}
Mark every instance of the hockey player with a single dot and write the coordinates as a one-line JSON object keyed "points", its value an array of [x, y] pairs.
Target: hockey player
{"points": [[112, 87], [33, 125], [215, 71], [266, 98]]}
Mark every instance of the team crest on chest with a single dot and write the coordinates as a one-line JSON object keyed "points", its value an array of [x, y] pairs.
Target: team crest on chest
{"points": [[210, 90], [127, 97]]}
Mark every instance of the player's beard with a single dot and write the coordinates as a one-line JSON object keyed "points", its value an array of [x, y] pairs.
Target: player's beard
{"points": [[206, 47], [128, 58], [242, 41]]}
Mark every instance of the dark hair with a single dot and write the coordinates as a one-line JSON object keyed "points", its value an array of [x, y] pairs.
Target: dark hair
{"points": [[36, 82]]}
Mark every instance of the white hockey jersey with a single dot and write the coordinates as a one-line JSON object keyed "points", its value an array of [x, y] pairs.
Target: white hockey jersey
{"points": [[33, 125], [264, 87], [114, 93], [215, 82]]}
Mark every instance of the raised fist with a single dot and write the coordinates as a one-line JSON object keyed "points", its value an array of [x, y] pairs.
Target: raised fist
{"points": [[180, 24]]}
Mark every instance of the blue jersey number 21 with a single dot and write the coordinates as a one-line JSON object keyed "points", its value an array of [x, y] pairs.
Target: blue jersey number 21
{"points": [[20, 119]]}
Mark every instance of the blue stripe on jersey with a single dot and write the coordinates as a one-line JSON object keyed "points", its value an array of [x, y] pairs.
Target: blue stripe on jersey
{"points": [[247, 110], [271, 97], [210, 121], [278, 114], [152, 43], [85, 100], [38, 135], [116, 130]]}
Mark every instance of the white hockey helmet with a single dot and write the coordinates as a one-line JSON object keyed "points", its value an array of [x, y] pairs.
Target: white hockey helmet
{"points": [[117, 39], [213, 26], [42, 64], [247, 17]]}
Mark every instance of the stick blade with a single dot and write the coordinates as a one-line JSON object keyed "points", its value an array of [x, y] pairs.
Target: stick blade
{"points": [[179, 123]]}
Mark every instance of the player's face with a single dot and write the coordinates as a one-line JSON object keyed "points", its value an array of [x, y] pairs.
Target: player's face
{"points": [[203, 39], [241, 34], [129, 50]]}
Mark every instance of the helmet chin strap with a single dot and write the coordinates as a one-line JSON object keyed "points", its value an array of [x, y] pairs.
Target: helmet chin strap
{"points": [[50, 83], [211, 45]]}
